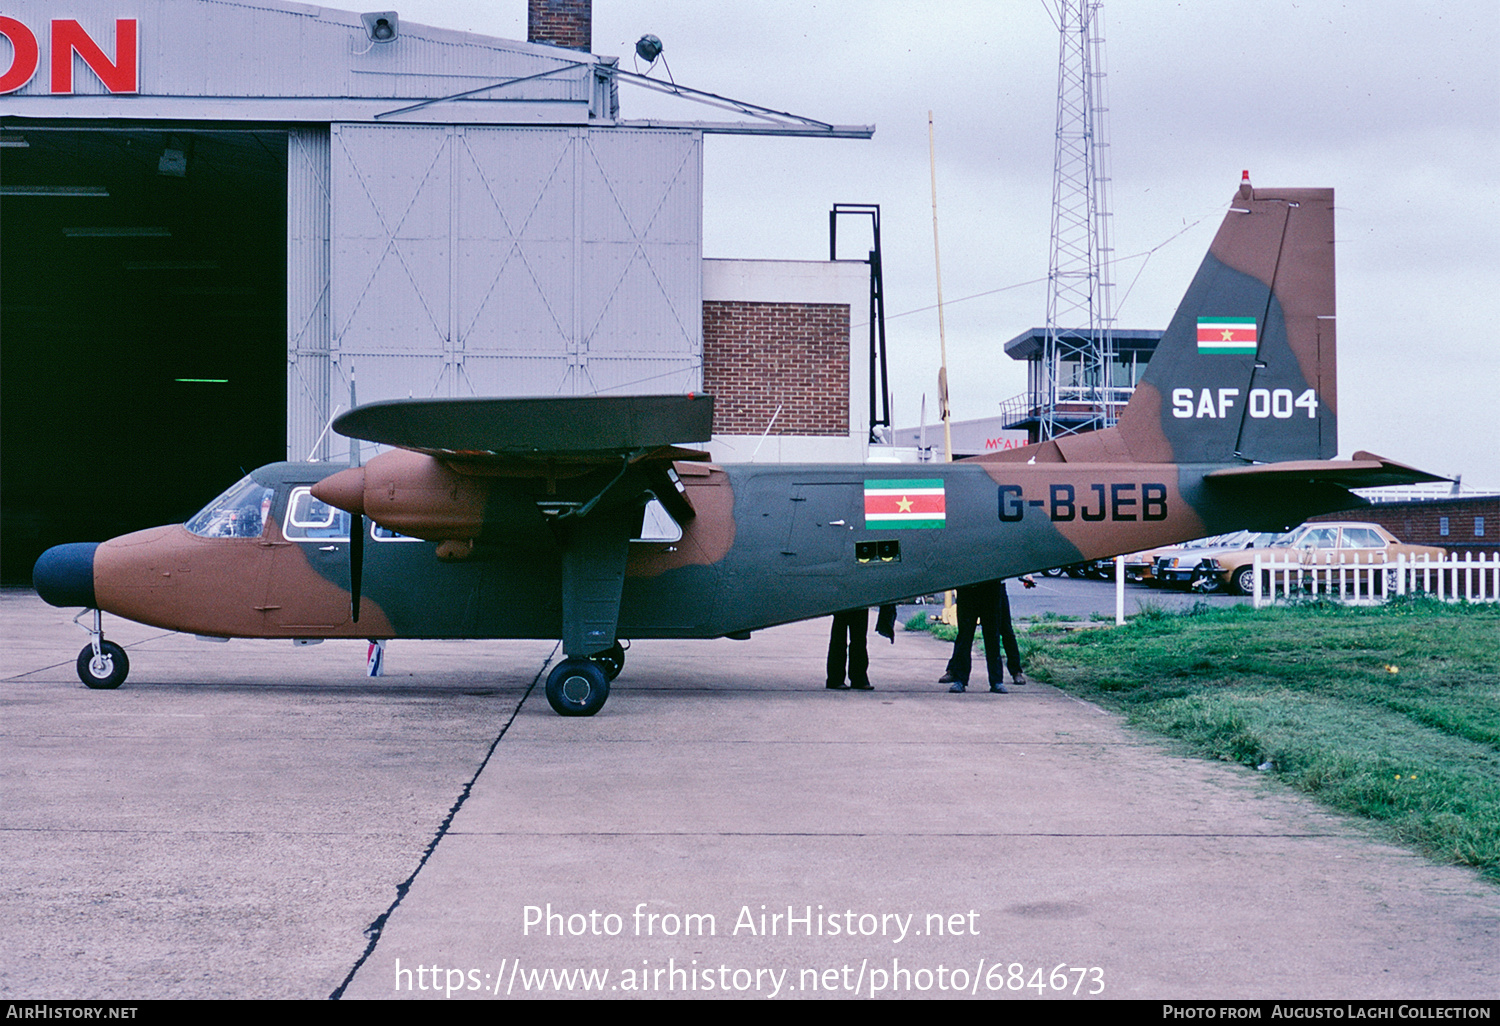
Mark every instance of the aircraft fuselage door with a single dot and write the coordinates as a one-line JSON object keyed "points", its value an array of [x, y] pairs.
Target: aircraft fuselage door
{"points": [[308, 586], [820, 527]]}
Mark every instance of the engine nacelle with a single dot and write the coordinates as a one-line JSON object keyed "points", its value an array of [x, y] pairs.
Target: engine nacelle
{"points": [[411, 493]]}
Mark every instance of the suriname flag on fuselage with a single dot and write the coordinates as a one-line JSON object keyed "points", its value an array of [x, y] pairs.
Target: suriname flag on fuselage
{"points": [[902, 503], [1218, 336]]}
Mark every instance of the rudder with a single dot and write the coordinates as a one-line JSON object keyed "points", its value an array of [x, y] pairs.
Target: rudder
{"points": [[1247, 367]]}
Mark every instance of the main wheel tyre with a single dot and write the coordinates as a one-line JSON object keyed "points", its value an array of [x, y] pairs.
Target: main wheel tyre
{"points": [[612, 660], [1244, 580], [105, 671], [1055, 571], [577, 687]]}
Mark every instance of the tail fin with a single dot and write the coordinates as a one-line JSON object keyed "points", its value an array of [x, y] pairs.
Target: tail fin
{"points": [[1247, 369]]}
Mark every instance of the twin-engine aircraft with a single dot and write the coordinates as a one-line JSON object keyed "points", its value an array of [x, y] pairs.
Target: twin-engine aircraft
{"points": [[582, 519]]}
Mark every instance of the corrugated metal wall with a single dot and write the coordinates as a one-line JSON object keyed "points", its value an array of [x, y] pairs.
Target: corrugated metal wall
{"points": [[307, 325], [497, 261]]}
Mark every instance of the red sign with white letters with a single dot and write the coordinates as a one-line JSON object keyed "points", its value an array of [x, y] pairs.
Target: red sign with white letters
{"points": [[68, 37]]}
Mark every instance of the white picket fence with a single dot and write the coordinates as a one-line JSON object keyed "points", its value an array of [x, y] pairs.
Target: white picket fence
{"points": [[1474, 578]]}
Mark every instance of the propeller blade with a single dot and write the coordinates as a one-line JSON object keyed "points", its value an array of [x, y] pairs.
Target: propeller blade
{"points": [[356, 564]]}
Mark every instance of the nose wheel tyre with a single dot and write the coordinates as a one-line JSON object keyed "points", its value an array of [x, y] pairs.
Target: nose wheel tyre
{"points": [[577, 687], [105, 671]]}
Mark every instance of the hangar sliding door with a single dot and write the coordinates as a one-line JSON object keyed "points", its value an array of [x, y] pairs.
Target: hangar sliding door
{"points": [[514, 261]]}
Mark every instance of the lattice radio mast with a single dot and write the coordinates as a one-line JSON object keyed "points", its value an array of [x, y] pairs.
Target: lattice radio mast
{"points": [[1079, 350]]}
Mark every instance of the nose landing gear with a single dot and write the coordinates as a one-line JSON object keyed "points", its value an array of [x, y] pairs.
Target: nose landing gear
{"points": [[102, 665]]}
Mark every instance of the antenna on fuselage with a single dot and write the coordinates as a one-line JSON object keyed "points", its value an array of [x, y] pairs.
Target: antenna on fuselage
{"points": [[354, 458], [357, 523], [319, 440]]}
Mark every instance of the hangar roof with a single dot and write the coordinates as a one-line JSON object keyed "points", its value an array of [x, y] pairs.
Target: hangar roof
{"points": [[264, 60], [277, 61]]}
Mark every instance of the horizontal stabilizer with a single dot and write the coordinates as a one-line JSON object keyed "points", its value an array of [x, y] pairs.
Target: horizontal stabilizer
{"points": [[1366, 470], [567, 427]]}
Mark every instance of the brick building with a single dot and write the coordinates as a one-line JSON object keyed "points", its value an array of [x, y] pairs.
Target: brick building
{"points": [[1461, 524], [779, 359]]}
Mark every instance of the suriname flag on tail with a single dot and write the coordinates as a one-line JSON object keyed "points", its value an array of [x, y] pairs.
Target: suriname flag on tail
{"points": [[905, 503], [1231, 335]]}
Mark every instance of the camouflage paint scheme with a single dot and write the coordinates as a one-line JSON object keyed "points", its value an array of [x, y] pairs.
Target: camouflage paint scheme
{"points": [[527, 507]]}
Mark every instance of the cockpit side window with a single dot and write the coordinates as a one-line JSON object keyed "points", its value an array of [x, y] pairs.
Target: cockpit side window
{"points": [[240, 512], [308, 518]]}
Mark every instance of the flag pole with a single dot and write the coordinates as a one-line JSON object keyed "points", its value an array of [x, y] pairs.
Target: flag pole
{"points": [[949, 614], [937, 263]]}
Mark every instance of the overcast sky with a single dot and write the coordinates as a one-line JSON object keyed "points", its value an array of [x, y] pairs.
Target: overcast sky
{"points": [[1394, 105]]}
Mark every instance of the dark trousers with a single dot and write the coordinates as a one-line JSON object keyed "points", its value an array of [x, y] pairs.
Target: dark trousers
{"points": [[989, 606], [848, 637]]}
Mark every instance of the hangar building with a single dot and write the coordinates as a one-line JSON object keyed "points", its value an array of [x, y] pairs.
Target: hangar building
{"points": [[222, 219]]}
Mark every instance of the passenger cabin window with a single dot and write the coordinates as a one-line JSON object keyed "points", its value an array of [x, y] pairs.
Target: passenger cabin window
{"points": [[308, 518], [240, 512], [1361, 538], [657, 524]]}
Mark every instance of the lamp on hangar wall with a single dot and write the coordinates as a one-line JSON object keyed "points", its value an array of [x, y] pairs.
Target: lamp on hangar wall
{"points": [[381, 26], [648, 48]]}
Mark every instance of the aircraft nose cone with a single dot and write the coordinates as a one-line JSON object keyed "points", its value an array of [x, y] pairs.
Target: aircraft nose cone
{"points": [[344, 490], [64, 575]]}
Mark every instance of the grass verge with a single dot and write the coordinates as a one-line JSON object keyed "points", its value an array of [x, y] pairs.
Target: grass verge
{"points": [[1391, 713]]}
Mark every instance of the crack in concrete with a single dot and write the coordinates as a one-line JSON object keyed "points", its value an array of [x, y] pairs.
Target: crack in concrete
{"points": [[374, 930]]}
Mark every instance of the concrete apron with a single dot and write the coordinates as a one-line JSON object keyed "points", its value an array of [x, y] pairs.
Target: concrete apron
{"points": [[232, 821]]}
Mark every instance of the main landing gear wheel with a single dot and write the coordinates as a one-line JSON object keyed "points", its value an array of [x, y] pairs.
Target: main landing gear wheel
{"points": [[104, 671], [577, 687], [611, 660]]}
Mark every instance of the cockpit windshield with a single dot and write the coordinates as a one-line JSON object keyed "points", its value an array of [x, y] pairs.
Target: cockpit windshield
{"points": [[240, 512]]}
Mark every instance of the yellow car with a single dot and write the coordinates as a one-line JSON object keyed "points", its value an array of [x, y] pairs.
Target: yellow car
{"points": [[1313, 545]]}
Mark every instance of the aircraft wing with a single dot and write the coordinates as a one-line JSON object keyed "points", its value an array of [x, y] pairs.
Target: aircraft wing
{"points": [[1366, 470], [573, 429]]}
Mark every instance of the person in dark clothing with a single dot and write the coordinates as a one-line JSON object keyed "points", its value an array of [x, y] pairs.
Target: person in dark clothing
{"points": [[849, 628], [988, 605]]}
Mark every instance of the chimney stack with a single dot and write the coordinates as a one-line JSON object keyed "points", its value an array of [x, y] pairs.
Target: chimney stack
{"points": [[567, 23]]}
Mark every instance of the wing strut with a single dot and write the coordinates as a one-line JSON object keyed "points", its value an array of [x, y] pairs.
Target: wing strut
{"points": [[594, 550]]}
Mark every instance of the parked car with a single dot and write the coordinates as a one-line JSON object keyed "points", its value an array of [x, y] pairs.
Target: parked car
{"points": [[1197, 563], [1142, 566], [1314, 545]]}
